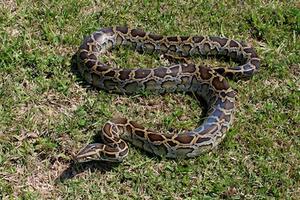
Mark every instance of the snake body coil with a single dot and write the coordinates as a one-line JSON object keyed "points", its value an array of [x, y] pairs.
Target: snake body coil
{"points": [[209, 83]]}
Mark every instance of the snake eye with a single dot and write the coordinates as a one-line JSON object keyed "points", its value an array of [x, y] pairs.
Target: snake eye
{"points": [[93, 146]]}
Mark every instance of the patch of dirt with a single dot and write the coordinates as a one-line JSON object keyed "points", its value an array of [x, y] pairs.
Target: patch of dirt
{"points": [[10, 5]]}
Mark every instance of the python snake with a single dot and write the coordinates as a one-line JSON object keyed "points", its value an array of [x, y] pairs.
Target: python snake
{"points": [[209, 83]]}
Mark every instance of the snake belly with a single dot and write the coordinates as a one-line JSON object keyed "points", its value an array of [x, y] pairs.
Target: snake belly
{"points": [[209, 83]]}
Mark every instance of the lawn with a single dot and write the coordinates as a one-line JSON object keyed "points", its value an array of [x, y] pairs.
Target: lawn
{"points": [[47, 112]]}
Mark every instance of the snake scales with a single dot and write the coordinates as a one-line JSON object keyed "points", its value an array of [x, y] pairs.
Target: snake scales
{"points": [[209, 83]]}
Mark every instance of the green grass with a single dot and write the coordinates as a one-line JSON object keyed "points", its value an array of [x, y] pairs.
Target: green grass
{"points": [[47, 113]]}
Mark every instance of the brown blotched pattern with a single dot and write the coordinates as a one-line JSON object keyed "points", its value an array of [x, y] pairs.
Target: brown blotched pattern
{"points": [[208, 83]]}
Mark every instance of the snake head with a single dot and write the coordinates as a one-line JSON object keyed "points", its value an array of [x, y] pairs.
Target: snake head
{"points": [[101, 152], [89, 152]]}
